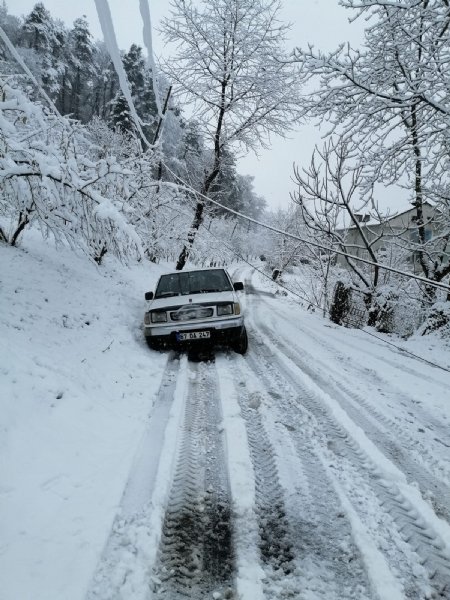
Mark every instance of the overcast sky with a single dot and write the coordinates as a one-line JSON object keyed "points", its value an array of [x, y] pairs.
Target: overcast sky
{"points": [[321, 22]]}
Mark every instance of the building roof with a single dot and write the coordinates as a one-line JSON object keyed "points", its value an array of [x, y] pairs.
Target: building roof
{"points": [[385, 218]]}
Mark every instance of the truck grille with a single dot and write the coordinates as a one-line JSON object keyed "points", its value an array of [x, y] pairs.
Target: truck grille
{"points": [[191, 312]]}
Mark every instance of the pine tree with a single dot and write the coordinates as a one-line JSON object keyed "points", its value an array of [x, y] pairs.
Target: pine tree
{"points": [[38, 29], [82, 69], [47, 39], [106, 83], [139, 78], [121, 116], [11, 25]]}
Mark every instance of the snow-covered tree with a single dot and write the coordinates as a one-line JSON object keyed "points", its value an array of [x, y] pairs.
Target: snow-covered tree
{"points": [[140, 81], [250, 203], [11, 25], [47, 179], [391, 102], [38, 29], [230, 66], [106, 83], [190, 157], [330, 194], [47, 39], [82, 71], [283, 251]]}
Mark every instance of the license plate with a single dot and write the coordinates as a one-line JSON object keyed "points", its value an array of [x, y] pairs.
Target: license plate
{"points": [[193, 335]]}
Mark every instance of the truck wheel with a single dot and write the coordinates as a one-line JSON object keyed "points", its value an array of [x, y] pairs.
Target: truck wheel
{"points": [[241, 345], [152, 343]]}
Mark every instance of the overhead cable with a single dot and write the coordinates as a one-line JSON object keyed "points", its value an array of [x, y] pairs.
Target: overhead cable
{"points": [[424, 280]]}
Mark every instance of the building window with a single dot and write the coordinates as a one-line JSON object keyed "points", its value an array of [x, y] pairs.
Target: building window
{"points": [[414, 235]]}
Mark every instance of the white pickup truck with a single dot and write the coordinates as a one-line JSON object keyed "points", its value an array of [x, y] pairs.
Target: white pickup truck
{"points": [[193, 308]]}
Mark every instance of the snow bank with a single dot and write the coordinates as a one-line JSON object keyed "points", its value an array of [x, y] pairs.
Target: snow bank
{"points": [[77, 386]]}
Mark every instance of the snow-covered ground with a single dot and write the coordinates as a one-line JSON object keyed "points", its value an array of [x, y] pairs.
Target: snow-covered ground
{"points": [[317, 466], [77, 388]]}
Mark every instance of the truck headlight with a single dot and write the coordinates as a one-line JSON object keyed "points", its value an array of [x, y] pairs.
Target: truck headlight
{"points": [[158, 316], [224, 309]]}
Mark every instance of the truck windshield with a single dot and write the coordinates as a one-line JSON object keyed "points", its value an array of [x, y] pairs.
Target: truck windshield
{"points": [[193, 282]]}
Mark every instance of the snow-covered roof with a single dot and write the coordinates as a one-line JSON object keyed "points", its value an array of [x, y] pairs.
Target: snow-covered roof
{"points": [[368, 219]]}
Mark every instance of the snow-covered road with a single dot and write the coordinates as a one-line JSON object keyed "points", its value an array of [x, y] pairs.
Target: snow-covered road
{"points": [[313, 467], [316, 467]]}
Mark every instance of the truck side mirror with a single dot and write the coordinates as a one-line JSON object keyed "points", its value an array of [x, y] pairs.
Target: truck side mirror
{"points": [[149, 295], [238, 286]]}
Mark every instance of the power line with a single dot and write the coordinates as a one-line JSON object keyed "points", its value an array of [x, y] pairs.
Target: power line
{"points": [[425, 280], [425, 360], [399, 348], [311, 303]]}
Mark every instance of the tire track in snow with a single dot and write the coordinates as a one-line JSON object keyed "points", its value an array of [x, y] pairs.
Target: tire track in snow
{"points": [[441, 429], [275, 543], [415, 472], [329, 565], [413, 371], [436, 468], [321, 559], [422, 453], [126, 564], [423, 540], [196, 554], [367, 373], [325, 512]]}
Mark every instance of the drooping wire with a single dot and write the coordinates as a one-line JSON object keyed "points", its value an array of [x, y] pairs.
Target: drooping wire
{"points": [[186, 187], [310, 303]]}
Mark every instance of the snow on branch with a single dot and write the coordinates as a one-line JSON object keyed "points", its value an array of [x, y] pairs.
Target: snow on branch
{"points": [[18, 58], [48, 179]]}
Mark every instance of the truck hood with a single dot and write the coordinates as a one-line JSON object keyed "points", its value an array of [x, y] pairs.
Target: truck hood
{"points": [[174, 302]]}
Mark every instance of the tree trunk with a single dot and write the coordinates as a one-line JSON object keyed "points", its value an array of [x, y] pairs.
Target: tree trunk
{"points": [[99, 257], [23, 222], [373, 310], [198, 217]]}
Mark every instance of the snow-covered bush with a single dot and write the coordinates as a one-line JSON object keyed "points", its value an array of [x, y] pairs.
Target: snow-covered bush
{"points": [[48, 179], [437, 320], [341, 304], [383, 306]]}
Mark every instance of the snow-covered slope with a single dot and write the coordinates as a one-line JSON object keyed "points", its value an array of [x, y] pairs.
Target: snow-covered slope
{"points": [[77, 385]]}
